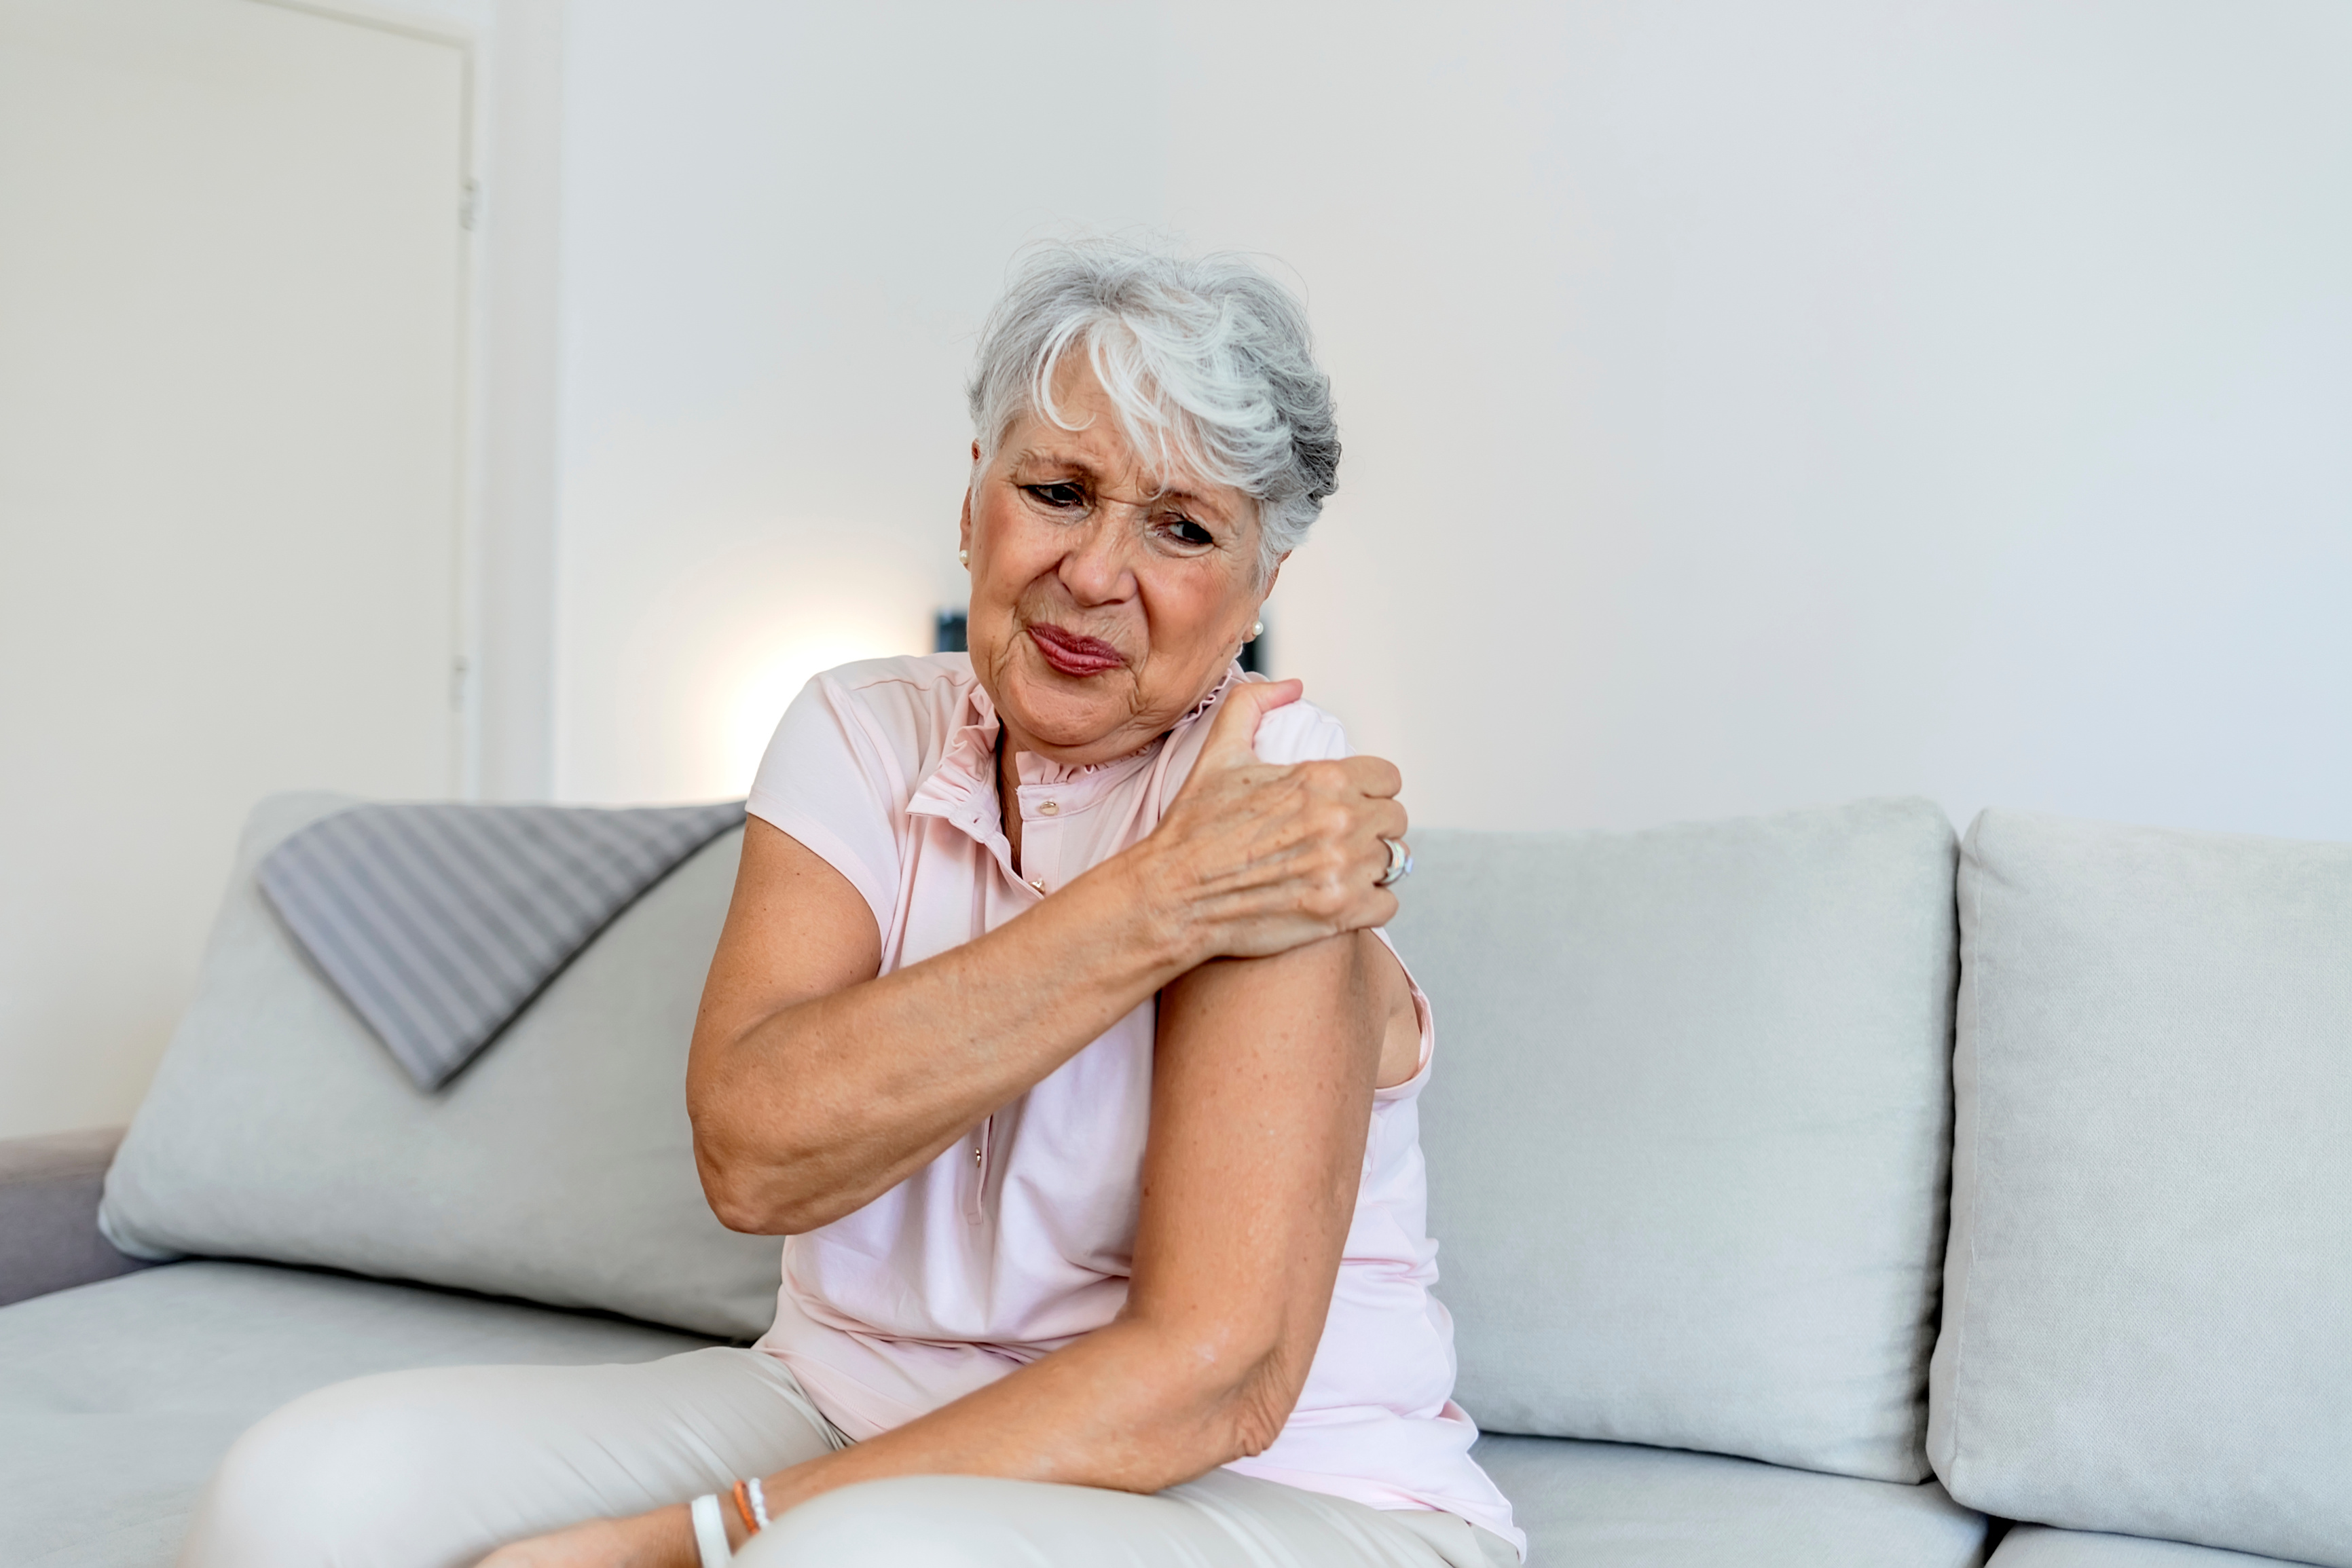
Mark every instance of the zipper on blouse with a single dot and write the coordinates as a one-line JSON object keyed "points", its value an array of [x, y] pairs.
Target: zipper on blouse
{"points": [[974, 1206]]}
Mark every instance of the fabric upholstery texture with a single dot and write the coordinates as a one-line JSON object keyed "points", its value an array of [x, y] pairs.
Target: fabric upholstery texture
{"points": [[49, 1239], [438, 920], [559, 1168], [1612, 1505], [2035, 1546], [2146, 1324], [1688, 1129], [118, 1399]]}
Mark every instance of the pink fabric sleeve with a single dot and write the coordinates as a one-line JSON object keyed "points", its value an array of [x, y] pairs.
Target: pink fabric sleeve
{"points": [[827, 781], [1300, 732]]}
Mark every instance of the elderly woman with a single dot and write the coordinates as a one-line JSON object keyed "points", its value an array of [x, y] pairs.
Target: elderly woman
{"points": [[1052, 1024]]}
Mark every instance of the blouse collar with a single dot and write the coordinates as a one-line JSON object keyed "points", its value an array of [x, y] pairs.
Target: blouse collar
{"points": [[962, 786]]}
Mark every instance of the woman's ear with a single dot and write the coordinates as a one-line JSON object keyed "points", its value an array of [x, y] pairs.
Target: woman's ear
{"points": [[963, 529], [1271, 578]]}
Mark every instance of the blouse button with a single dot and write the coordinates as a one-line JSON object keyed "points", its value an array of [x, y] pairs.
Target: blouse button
{"points": [[1049, 808], [1038, 882]]}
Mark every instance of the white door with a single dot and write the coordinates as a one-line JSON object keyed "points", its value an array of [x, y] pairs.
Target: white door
{"points": [[232, 282]]}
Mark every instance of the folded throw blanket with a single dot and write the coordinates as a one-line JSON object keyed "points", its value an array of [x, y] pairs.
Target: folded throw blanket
{"points": [[439, 923]]}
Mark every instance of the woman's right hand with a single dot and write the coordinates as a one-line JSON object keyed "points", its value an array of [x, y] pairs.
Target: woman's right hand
{"points": [[1255, 858]]}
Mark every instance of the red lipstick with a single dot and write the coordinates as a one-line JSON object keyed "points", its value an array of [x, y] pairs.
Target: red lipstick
{"points": [[1072, 654]]}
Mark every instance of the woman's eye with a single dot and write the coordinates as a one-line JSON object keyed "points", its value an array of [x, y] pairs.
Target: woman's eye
{"points": [[1061, 498], [1189, 532]]}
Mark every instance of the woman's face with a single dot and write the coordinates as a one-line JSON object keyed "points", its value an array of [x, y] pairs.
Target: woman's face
{"points": [[1103, 605]]}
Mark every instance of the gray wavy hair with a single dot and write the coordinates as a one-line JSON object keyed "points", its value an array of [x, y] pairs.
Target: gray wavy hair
{"points": [[1208, 360]]}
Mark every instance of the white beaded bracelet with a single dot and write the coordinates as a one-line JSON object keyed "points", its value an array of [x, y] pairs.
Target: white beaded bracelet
{"points": [[758, 1500], [711, 1531]]}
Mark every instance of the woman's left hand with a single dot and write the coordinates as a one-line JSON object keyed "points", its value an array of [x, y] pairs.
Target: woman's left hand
{"points": [[662, 1539]]}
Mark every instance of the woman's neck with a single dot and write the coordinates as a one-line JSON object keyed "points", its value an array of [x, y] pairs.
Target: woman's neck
{"points": [[1009, 751], [1008, 791]]}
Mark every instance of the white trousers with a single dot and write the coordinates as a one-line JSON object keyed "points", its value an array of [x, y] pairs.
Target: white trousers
{"points": [[434, 1469]]}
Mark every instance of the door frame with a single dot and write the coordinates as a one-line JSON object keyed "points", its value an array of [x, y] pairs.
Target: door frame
{"points": [[501, 660]]}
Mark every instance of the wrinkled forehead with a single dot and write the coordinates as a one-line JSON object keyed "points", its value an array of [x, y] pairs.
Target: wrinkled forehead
{"points": [[1085, 427]]}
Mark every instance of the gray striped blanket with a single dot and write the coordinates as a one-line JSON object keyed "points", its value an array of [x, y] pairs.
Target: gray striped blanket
{"points": [[439, 923]]}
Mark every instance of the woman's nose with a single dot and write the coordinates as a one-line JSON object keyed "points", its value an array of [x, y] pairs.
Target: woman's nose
{"points": [[1096, 570]]}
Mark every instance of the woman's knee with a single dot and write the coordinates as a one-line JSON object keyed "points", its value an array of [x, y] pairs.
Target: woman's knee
{"points": [[334, 1468]]}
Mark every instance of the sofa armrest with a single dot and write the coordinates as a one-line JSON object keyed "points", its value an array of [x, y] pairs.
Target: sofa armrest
{"points": [[49, 1188]]}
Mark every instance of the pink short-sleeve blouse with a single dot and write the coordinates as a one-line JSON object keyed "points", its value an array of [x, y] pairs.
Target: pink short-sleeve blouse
{"points": [[1020, 1239]]}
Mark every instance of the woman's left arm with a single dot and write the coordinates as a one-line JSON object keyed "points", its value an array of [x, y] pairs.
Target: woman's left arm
{"points": [[1261, 1101]]}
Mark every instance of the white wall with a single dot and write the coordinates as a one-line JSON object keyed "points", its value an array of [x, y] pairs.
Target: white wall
{"points": [[781, 225], [516, 331], [1745, 406]]}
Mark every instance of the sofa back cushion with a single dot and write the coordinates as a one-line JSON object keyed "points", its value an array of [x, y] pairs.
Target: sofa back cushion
{"points": [[559, 1167], [1688, 1129], [2148, 1310]]}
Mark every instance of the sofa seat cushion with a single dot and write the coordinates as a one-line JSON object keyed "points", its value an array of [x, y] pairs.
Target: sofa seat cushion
{"points": [[2038, 1546], [1612, 1505], [118, 1399]]}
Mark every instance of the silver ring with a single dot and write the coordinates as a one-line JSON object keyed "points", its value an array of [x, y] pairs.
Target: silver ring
{"points": [[1400, 864]]}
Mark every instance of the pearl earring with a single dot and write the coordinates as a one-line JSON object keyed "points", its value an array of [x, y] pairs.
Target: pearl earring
{"points": [[964, 556], [1257, 630]]}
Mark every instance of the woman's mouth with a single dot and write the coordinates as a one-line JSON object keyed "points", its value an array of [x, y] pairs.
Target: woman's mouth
{"points": [[1072, 654]]}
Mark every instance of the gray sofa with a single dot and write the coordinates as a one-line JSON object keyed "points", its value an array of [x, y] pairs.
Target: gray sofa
{"points": [[1793, 1211]]}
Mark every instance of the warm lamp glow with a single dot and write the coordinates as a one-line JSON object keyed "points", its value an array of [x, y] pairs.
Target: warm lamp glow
{"points": [[766, 682], [716, 655]]}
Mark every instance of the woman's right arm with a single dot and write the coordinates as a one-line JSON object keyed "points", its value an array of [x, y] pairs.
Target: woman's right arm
{"points": [[814, 1086]]}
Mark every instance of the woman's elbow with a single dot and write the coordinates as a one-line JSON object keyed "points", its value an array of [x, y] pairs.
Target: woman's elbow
{"points": [[742, 1190], [1262, 1406], [1243, 1398], [1255, 1415], [731, 1198], [764, 1191]]}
